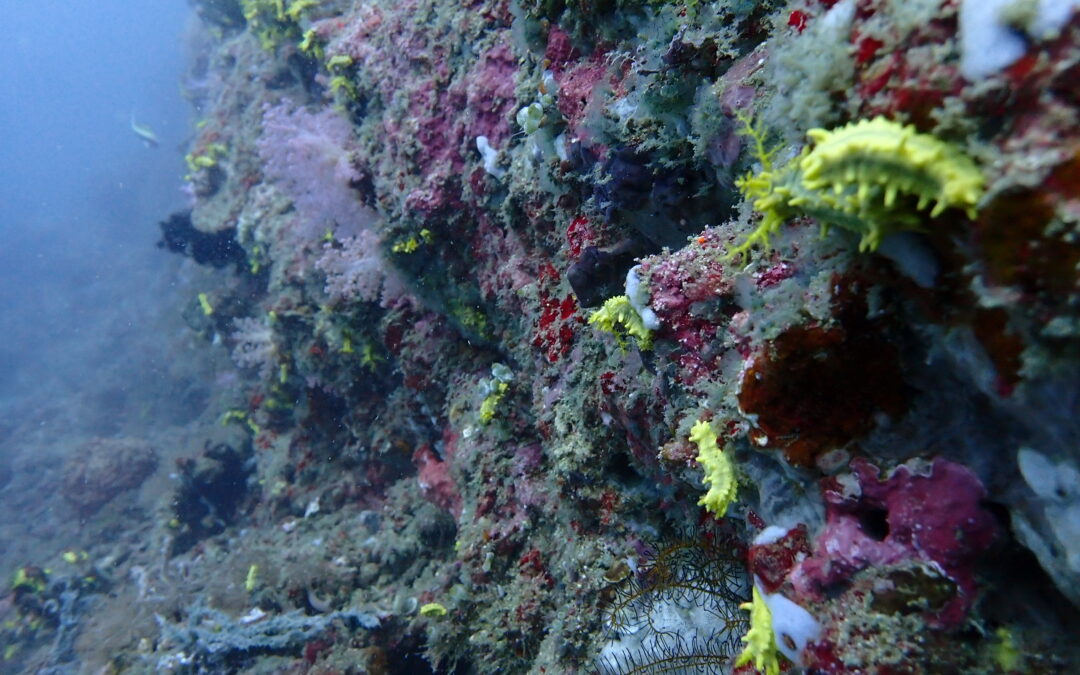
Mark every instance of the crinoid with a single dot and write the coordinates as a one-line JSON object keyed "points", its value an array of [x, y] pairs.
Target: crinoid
{"points": [[680, 612]]}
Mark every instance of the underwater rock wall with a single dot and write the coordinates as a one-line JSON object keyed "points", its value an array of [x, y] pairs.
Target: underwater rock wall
{"points": [[517, 275], [501, 257]]}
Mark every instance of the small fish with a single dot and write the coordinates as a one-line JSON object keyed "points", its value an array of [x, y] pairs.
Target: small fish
{"points": [[144, 132]]}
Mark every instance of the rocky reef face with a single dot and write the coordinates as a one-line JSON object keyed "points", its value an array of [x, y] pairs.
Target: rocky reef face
{"points": [[498, 258], [102, 468]]}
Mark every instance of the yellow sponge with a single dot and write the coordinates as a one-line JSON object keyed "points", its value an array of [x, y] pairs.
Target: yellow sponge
{"points": [[719, 470]]}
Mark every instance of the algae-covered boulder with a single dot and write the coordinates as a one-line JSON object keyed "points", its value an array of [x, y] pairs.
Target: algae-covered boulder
{"points": [[102, 468]]}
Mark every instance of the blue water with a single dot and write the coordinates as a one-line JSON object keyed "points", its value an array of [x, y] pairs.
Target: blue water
{"points": [[80, 193]]}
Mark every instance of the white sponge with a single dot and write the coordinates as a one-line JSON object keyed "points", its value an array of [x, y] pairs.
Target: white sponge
{"points": [[793, 626], [992, 32], [638, 295]]}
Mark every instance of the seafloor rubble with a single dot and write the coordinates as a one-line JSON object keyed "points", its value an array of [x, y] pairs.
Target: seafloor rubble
{"points": [[619, 336]]}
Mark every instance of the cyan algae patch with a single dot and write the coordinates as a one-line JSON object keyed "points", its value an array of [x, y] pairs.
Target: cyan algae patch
{"points": [[444, 460]]}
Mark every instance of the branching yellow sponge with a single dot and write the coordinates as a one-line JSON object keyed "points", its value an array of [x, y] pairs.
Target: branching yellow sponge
{"points": [[760, 639], [871, 177], [719, 470], [618, 317]]}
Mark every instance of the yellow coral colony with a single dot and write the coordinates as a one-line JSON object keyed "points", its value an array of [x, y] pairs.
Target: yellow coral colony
{"points": [[852, 178], [719, 470]]}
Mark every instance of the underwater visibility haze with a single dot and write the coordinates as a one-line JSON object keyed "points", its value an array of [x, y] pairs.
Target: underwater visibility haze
{"points": [[540, 336], [78, 264]]}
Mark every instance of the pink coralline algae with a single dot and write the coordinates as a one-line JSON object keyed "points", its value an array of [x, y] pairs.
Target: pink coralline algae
{"points": [[772, 562], [681, 286], [689, 276], [431, 106], [927, 512], [489, 93], [576, 87], [505, 264], [560, 50], [435, 481]]}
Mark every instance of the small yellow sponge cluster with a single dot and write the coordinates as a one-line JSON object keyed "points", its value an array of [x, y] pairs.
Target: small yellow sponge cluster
{"points": [[856, 177], [719, 470]]}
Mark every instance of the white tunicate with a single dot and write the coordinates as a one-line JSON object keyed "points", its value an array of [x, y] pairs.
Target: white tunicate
{"points": [[1055, 482], [549, 89], [840, 16], [770, 535], [624, 108], [491, 157], [1066, 528], [1051, 17], [560, 148], [638, 295], [530, 118], [792, 625], [1058, 486], [992, 31], [912, 257], [502, 372], [405, 605], [986, 44], [488, 387]]}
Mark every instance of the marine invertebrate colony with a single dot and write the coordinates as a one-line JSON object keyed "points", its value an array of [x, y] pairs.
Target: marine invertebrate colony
{"points": [[861, 177]]}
